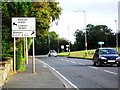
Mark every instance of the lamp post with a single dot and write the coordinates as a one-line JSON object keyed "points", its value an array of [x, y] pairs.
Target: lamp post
{"points": [[68, 40], [116, 36], [106, 33], [49, 33], [58, 34], [84, 28]]}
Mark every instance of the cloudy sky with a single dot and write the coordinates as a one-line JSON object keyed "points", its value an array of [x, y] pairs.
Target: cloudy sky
{"points": [[98, 12]]}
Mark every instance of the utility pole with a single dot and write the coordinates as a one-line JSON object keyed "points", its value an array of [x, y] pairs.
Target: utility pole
{"points": [[58, 34], [69, 39], [116, 36], [49, 33], [84, 28]]}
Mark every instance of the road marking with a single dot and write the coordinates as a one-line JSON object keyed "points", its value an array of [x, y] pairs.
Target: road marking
{"points": [[93, 67], [62, 59], [66, 79], [44, 66], [60, 75], [81, 63], [67, 60], [110, 72], [72, 62]]}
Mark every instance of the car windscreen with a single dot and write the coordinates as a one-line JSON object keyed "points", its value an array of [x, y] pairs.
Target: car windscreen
{"points": [[52, 51], [107, 51]]}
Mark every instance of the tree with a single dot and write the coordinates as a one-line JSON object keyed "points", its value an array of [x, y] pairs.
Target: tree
{"points": [[9, 10], [42, 11], [94, 35], [79, 43], [42, 43]]}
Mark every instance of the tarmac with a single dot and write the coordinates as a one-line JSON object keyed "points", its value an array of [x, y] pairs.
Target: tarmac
{"points": [[44, 78]]}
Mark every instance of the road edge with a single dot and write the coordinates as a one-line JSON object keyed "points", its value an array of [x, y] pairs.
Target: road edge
{"points": [[64, 80]]}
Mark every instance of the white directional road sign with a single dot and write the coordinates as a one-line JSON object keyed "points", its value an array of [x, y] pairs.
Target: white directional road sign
{"points": [[23, 27]]}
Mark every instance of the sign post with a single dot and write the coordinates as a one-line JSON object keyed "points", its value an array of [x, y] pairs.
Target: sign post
{"points": [[33, 57], [23, 27], [14, 65], [26, 51]]}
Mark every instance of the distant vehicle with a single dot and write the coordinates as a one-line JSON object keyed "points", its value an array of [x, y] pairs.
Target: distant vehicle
{"points": [[106, 56], [52, 53]]}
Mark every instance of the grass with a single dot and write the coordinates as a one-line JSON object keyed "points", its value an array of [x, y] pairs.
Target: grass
{"points": [[80, 54]]}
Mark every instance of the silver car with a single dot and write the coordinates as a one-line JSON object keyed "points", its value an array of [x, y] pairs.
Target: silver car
{"points": [[52, 53]]}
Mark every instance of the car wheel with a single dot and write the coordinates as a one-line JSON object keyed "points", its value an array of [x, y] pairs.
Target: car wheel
{"points": [[94, 64], [99, 63], [49, 55]]}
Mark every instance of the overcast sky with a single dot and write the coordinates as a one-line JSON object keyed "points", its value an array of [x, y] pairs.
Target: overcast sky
{"points": [[102, 12]]}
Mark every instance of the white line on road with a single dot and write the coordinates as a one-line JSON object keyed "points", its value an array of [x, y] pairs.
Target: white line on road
{"points": [[110, 72], [67, 60], [60, 75], [72, 62], [62, 59], [81, 63], [93, 67]]}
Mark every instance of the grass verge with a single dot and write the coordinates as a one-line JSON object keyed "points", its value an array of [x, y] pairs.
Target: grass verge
{"points": [[80, 54]]}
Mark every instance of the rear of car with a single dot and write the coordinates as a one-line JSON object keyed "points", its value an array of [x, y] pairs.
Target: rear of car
{"points": [[106, 56], [52, 53]]}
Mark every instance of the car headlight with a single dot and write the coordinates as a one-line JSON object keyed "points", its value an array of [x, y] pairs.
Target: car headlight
{"points": [[118, 58], [103, 58]]}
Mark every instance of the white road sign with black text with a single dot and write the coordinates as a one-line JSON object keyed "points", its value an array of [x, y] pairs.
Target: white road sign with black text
{"points": [[23, 27]]}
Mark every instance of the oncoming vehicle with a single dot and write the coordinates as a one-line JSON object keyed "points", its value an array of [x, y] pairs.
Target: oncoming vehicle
{"points": [[106, 56], [52, 53]]}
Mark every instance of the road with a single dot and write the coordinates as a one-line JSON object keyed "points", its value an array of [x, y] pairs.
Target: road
{"points": [[82, 73]]}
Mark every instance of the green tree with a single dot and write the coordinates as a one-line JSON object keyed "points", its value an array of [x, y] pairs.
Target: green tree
{"points": [[79, 43], [42, 11], [94, 35]]}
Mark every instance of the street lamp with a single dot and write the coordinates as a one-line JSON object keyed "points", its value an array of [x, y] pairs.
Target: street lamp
{"points": [[106, 33], [84, 28], [58, 34], [49, 33], [69, 40], [116, 36]]}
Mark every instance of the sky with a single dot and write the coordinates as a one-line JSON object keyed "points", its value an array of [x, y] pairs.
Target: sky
{"points": [[98, 12]]}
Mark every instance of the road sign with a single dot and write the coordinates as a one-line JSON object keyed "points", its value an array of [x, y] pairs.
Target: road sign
{"points": [[23, 27], [23, 33], [100, 43]]}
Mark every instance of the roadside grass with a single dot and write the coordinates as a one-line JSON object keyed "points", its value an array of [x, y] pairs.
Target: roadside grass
{"points": [[80, 54]]}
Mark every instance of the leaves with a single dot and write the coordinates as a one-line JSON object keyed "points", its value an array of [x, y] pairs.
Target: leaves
{"points": [[94, 34], [42, 11]]}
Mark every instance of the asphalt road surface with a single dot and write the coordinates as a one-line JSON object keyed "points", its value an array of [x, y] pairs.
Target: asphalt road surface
{"points": [[82, 73]]}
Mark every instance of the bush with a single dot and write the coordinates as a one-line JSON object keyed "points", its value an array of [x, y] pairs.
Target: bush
{"points": [[19, 59]]}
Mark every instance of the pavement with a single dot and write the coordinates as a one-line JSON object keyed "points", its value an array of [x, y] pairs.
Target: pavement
{"points": [[44, 78]]}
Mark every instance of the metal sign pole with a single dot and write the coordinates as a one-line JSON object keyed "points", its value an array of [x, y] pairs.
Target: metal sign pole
{"points": [[33, 58], [26, 52], [24, 47], [14, 55]]}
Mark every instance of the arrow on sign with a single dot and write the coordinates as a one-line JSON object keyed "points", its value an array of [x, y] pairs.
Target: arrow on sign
{"points": [[32, 33], [14, 24]]}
